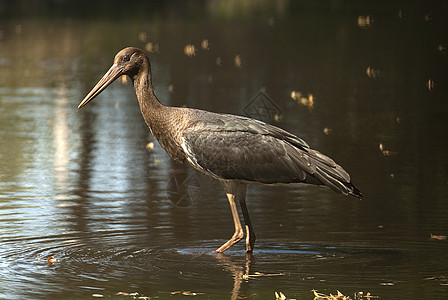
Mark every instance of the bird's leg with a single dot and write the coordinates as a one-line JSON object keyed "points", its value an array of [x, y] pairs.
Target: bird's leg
{"points": [[250, 233], [239, 233]]}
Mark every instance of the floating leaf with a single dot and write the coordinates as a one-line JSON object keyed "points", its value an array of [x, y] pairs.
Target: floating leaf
{"points": [[327, 130], [430, 85], [142, 36], [205, 45], [442, 279], [367, 296], [438, 237], [280, 296], [51, 260], [186, 293], [302, 99], [365, 21], [150, 146], [373, 73], [171, 88], [189, 50], [321, 296], [219, 61], [237, 61], [386, 152], [152, 47], [258, 274]]}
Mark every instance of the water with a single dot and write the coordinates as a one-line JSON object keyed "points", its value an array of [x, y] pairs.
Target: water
{"points": [[81, 186]]}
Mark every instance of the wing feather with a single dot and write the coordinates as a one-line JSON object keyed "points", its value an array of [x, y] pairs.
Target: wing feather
{"points": [[238, 148]]}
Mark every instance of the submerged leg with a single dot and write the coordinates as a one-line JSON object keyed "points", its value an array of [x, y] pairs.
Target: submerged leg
{"points": [[239, 233], [250, 233]]}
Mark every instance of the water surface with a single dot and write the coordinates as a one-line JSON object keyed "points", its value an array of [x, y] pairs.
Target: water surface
{"points": [[82, 187]]}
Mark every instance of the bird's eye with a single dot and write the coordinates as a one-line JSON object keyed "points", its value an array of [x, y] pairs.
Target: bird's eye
{"points": [[126, 57]]}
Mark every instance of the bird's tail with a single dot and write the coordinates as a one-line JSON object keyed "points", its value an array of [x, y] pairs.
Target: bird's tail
{"points": [[322, 170], [356, 192]]}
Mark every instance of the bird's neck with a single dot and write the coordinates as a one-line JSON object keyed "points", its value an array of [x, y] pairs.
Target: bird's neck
{"points": [[150, 106], [165, 122]]}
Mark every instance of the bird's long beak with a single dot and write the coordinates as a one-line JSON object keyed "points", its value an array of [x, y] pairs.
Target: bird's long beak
{"points": [[114, 72]]}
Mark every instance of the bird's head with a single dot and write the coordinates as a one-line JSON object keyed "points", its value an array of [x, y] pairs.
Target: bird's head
{"points": [[127, 62]]}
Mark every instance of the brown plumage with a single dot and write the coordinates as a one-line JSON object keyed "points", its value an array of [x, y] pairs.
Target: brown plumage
{"points": [[233, 149]]}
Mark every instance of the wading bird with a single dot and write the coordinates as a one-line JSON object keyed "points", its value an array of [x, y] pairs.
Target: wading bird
{"points": [[233, 149]]}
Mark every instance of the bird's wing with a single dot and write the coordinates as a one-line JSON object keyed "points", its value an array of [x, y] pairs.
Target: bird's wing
{"points": [[240, 155], [231, 147]]}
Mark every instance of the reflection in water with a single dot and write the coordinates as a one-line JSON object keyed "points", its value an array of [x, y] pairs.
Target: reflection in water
{"points": [[237, 270], [61, 142]]}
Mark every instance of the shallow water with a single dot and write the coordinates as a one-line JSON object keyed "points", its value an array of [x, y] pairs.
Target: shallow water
{"points": [[82, 187]]}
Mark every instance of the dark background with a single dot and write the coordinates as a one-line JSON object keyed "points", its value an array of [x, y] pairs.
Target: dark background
{"points": [[82, 187]]}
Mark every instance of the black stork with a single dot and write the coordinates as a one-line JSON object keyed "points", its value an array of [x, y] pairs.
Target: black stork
{"points": [[233, 149]]}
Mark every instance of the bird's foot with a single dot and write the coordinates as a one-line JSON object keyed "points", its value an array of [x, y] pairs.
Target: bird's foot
{"points": [[236, 237]]}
